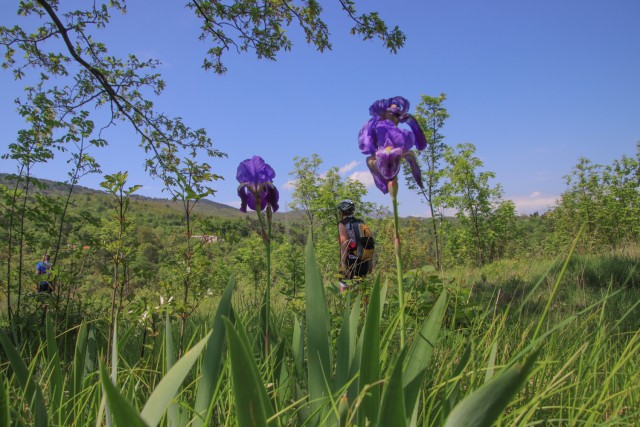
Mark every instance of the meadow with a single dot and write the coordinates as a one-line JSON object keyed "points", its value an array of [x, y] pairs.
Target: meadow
{"points": [[550, 342], [185, 312], [164, 314]]}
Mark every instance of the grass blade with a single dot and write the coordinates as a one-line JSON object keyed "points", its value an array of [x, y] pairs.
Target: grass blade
{"points": [[5, 409], [345, 348], [173, 413], [454, 389], [170, 383], [75, 414], [420, 353], [169, 348], [253, 407], [392, 405], [53, 357], [492, 362], [354, 370], [212, 359], [31, 389], [483, 406], [317, 327], [79, 361], [370, 362], [543, 317], [297, 347], [90, 357], [123, 414], [114, 352]]}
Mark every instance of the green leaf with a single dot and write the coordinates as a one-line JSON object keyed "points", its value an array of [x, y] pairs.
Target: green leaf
{"points": [[345, 346], [370, 362], [169, 348], [173, 414], [32, 391], [212, 359], [114, 372], [420, 353], [383, 295], [5, 408], [454, 389], [392, 405], [79, 360], [297, 346], [77, 374], [483, 406], [53, 358], [492, 362], [317, 326], [170, 383], [253, 407], [354, 369], [114, 351], [90, 357], [122, 413]]}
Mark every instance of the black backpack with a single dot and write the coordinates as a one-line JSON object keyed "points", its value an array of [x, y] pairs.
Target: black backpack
{"points": [[360, 233]]}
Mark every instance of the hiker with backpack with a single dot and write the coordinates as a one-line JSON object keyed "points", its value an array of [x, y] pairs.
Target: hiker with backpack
{"points": [[356, 243], [43, 269]]}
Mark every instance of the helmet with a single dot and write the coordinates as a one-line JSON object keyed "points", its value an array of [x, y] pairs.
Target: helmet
{"points": [[346, 206]]}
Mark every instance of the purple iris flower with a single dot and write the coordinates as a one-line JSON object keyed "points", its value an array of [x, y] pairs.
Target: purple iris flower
{"points": [[386, 144], [256, 188]]}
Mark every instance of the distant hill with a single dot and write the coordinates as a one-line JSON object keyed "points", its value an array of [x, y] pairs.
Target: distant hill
{"points": [[204, 207], [55, 188]]}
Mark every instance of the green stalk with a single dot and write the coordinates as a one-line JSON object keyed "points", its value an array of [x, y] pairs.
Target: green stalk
{"points": [[267, 296], [266, 238], [393, 190]]}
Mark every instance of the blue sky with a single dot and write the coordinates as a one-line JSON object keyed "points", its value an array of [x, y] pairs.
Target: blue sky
{"points": [[533, 85]]}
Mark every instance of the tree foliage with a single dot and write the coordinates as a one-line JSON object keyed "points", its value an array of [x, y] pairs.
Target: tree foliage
{"points": [[431, 115], [606, 199], [316, 194], [75, 88], [469, 193], [261, 27]]}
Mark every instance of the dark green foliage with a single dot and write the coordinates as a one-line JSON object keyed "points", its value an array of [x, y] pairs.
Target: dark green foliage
{"points": [[606, 198]]}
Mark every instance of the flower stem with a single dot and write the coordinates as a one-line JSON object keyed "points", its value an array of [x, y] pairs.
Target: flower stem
{"points": [[267, 296], [398, 267], [266, 239]]}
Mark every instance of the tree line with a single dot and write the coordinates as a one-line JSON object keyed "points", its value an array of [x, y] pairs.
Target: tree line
{"points": [[74, 76], [113, 244]]}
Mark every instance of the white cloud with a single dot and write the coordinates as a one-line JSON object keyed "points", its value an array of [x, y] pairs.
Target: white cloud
{"points": [[364, 177], [346, 168], [289, 185], [534, 203]]}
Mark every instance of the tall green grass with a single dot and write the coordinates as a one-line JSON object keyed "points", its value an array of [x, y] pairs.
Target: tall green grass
{"points": [[472, 357]]}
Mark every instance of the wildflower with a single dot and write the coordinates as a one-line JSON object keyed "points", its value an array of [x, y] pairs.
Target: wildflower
{"points": [[257, 191], [387, 145], [256, 188]]}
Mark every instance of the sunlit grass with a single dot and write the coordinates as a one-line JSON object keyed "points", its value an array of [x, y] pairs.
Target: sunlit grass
{"points": [[583, 362]]}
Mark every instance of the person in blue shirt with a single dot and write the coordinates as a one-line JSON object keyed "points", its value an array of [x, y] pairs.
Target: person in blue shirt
{"points": [[42, 271]]}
